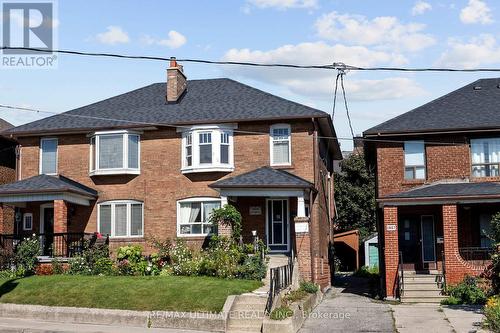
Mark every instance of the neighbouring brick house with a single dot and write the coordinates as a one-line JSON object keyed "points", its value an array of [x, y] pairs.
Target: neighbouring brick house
{"points": [[155, 161], [7, 171], [438, 174]]}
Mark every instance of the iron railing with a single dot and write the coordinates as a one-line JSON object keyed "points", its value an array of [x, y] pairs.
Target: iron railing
{"points": [[280, 278], [443, 274], [400, 281], [64, 245], [478, 255]]}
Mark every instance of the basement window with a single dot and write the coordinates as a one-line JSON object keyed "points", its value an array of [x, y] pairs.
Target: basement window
{"points": [[116, 152]]}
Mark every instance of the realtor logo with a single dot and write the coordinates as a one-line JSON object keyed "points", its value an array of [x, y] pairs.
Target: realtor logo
{"points": [[28, 25]]}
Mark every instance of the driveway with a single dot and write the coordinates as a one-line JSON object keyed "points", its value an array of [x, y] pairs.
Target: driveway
{"points": [[349, 309]]}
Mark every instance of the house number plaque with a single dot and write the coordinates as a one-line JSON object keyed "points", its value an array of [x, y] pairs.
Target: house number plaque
{"points": [[391, 227]]}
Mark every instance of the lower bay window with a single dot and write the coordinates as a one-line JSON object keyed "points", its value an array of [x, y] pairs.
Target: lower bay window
{"points": [[207, 148], [114, 152], [193, 216], [121, 218]]}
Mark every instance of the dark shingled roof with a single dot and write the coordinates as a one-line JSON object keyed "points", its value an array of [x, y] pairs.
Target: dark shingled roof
{"points": [[5, 125], [46, 183], [205, 101], [474, 106], [450, 190], [263, 177]]}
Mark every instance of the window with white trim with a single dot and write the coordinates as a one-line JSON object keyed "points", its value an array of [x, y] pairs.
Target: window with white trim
{"points": [[115, 152], [207, 149], [280, 145], [193, 216], [48, 156], [27, 221], [121, 218], [414, 159], [485, 157]]}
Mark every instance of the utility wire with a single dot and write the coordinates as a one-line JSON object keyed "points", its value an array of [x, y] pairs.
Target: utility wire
{"points": [[345, 103], [132, 122]]}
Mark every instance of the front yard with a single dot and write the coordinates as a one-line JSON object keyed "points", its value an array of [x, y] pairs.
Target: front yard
{"points": [[168, 293]]}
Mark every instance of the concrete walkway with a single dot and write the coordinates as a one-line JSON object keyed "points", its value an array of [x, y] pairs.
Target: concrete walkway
{"points": [[348, 309], [411, 318]]}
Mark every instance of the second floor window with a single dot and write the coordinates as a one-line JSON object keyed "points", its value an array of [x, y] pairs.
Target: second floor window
{"points": [[48, 156], [414, 159], [280, 145], [114, 153], [485, 157]]}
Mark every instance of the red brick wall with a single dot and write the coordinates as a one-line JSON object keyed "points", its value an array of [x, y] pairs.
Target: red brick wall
{"points": [[391, 249]]}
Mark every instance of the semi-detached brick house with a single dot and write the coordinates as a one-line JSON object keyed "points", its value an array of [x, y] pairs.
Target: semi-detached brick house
{"points": [[438, 173], [155, 161]]}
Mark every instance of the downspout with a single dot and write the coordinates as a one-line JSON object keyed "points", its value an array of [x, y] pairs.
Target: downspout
{"points": [[315, 172]]}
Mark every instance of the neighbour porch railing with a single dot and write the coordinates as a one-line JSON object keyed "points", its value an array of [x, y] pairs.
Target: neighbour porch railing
{"points": [[280, 278], [400, 281], [442, 277], [64, 245], [480, 256]]}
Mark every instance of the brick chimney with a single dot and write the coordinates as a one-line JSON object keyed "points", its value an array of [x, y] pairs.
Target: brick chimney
{"points": [[176, 81]]}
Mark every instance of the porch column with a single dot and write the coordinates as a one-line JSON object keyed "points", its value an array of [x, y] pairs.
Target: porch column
{"points": [[303, 247], [391, 249], [301, 206], [223, 200], [60, 226], [454, 273]]}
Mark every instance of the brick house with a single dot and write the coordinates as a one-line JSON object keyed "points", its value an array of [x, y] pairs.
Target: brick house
{"points": [[155, 161], [437, 175], [7, 171]]}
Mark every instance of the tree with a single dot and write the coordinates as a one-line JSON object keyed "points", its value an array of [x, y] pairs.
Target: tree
{"points": [[355, 196]]}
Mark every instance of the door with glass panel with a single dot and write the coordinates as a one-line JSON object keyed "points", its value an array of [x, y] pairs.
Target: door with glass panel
{"points": [[428, 241], [277, 225]]}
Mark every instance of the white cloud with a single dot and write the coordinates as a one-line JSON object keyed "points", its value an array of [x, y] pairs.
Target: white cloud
{"points": [[113, 35], [478, 51], [420, 7], [174, 41], [319, 83], [283, 4], [476, 11], [384, 31]]}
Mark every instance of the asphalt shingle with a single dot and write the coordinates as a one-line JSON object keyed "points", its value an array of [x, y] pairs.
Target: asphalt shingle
{"points": [[450, 190], [46, 183]]}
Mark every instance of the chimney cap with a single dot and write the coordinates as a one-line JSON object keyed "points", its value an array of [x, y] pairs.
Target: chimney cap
{"points": [[173, 62]]}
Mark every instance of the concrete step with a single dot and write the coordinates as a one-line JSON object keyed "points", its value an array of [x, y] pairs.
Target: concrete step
{"points": [[245, 307], [247, 325], [405, 299], [251, 299], [422, 293], [419, 280], [426, 286]]}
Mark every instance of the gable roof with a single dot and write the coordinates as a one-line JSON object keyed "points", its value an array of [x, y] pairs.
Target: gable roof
{"points": [[5, 125], [46, 183], [264, 177], [205, 101], [474, 106]]}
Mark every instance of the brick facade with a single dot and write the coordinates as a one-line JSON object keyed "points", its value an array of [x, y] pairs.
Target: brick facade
{"points": [[391, 248]]}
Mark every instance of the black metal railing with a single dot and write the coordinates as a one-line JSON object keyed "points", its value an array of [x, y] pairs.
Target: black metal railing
{"points": [[478, 255], [443, 269], [400, 280], [64, 245], [280, 278]]}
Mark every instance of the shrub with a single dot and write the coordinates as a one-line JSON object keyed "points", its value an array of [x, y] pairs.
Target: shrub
{"points": [[295, 296], [124, 268], [78, 265], [222, 258], [309, 287], [104, 266], [7, 259], [492, 313], [27, 253], [227, 216], [7, 274], [467, 291], [452, 300], [253, 268], [86, 263], [57, 267], [281, 313], [163, 248], [132, 253], [367, 272]]}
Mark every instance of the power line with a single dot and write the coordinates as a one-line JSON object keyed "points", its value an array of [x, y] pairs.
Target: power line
{"points": [[345, 103], [132, 122]]}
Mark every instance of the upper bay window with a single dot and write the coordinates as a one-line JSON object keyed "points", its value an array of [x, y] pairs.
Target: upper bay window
{"points": [[48, 156], [414, 159], [485, 157], [207, 148], [280, 145], [114, 152]]}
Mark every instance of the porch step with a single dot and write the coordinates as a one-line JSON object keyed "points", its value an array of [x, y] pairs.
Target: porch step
{"points": [[421, 286], [247, 313], [437, 299], [422, 293]]}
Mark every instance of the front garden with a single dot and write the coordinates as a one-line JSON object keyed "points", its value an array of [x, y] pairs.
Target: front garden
{"points": [[173, 276]]}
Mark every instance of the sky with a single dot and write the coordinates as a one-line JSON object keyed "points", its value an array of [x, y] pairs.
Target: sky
{"points": [[422, 33]]}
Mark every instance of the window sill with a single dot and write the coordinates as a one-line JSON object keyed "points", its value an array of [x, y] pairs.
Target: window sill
{"points": [[115, 172], [216, 168], [126, 239], [413, 181], [200, 236]]}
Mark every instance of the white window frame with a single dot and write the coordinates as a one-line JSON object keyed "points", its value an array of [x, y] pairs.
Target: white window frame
{"points": [[191, 200], [25, 216], [271, 144], [113, 203], [94, 154], [216, 132], [414, 167], [40, 160]]}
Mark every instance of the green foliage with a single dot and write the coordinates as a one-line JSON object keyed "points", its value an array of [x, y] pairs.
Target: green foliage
{"points": [[452, 300], [132, 262], [467, 291], [104, 266], [86, 263], [309, 287], [492, 313], [281, 313], [7, 274], [7, 259], [494, 233], [132, 253], [26, 255], [295, 296], [355, 196], [367, 272], [183, 260], [227, 216], [253, 268], [222, 258], [57, 267]]}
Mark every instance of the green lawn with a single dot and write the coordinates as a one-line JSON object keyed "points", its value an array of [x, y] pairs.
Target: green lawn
{"points": [[175, 293]]}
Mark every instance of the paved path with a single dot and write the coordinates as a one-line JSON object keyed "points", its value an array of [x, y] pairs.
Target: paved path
{"points": [[348, 309]]}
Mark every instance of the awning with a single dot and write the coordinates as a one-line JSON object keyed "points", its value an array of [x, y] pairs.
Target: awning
{"points": [[47, 188], [442, 193]]}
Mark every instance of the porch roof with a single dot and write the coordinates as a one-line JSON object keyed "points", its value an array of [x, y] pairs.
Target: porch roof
{"points": [[45, 188], [264, 177], [457, 192]]}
